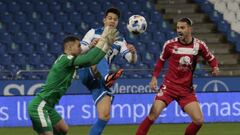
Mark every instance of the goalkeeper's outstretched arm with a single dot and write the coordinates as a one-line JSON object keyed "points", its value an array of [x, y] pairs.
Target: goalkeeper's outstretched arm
{"points": [[108, 36]]}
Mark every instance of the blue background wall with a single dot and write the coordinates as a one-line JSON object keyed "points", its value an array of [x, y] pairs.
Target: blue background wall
{"points": [[126, 109], [30, 87]]}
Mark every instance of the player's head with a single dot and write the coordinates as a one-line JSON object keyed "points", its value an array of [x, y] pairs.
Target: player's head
{"points": [[72, 46], [184, 27], [111, 17]]}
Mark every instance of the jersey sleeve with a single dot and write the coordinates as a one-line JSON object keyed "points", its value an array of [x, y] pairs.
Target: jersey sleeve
{"points": [[125, 53], [166, 52], [208, 56], [158, 68], [87, 39], [92, 57]]}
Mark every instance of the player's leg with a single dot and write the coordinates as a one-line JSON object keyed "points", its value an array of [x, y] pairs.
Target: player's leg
{"points": [[40, 117], [194, 111], [110, 78], [162, 99], [103, 98], [59, 129], [156, 109], [101, 95], [59, 126], [103, 109], [190, 105], [103, 68]]}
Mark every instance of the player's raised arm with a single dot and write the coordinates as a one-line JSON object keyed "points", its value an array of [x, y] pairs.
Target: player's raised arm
{"points": [[88, 41], [108, 36]]}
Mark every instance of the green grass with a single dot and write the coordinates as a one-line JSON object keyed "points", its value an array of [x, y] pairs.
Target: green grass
{"points": [[162, 129]]}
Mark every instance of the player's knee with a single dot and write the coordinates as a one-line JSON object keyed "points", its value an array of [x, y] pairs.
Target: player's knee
{"points": [[65, 130], [104, 116], [153, 116], [198, 121], [62, 130]]}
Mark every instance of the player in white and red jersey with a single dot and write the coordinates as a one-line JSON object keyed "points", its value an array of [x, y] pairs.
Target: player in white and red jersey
{"points": [[182, 53]]}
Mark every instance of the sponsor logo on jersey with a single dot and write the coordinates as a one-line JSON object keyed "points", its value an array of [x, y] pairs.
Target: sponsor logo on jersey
{"points": [[185, 60]]}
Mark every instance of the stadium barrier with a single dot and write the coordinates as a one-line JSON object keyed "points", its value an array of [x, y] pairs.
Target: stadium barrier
{"points": [[126, 109], [122, 86]]}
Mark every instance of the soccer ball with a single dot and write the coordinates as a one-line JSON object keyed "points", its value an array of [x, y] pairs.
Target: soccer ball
{"points": [[137, 24]]}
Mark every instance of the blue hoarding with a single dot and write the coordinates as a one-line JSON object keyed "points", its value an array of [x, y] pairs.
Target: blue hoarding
{"points": [[126, 109], [30, 87]]}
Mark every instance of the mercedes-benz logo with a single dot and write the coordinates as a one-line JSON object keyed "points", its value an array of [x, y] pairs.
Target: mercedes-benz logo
{"points": [[215, 85]]}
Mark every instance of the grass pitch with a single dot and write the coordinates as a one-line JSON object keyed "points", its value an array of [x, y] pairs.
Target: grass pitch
{"points": [[161, 129]]}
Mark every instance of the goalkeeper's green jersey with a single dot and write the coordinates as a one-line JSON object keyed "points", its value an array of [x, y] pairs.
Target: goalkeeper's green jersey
{"points": [[63, 71], [58, 79]]}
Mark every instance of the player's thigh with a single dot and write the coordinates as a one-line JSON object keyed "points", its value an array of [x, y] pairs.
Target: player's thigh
{"points": [[39, 116], [156, 109], [57, 121], [162, 99], [104, 107], [194, 111], [101, 92]]}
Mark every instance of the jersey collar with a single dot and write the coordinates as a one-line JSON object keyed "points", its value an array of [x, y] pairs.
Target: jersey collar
{"points": [[184, 43]]}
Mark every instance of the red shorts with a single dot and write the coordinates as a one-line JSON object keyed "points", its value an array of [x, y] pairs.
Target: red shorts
{"points": [[183, 97]]}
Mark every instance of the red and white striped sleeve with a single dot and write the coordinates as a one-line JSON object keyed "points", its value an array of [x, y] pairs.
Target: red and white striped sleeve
{"points": [[160, 62], [208, 56]]}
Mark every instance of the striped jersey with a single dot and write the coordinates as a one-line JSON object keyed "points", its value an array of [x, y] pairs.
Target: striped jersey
{"points": [[118, 47]]}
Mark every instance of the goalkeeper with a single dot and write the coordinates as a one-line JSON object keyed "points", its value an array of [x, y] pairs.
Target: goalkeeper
{"points": [[45, 119]]}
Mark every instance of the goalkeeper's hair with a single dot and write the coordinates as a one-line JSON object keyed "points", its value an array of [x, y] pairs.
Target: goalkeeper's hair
{"points": [[113, 10], [186, 20], [69, 39]]}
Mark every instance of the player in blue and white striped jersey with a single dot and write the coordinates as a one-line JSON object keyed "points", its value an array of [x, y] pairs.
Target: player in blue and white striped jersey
{"points": [[120, 47], [97, 78]]}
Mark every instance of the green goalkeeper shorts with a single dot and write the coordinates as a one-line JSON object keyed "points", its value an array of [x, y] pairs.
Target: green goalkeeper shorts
{"points": [[43, 116]]}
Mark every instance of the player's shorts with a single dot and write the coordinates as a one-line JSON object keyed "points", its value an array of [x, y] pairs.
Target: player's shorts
{"points": [[167, 95], [95, 84], [43, 116]]}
